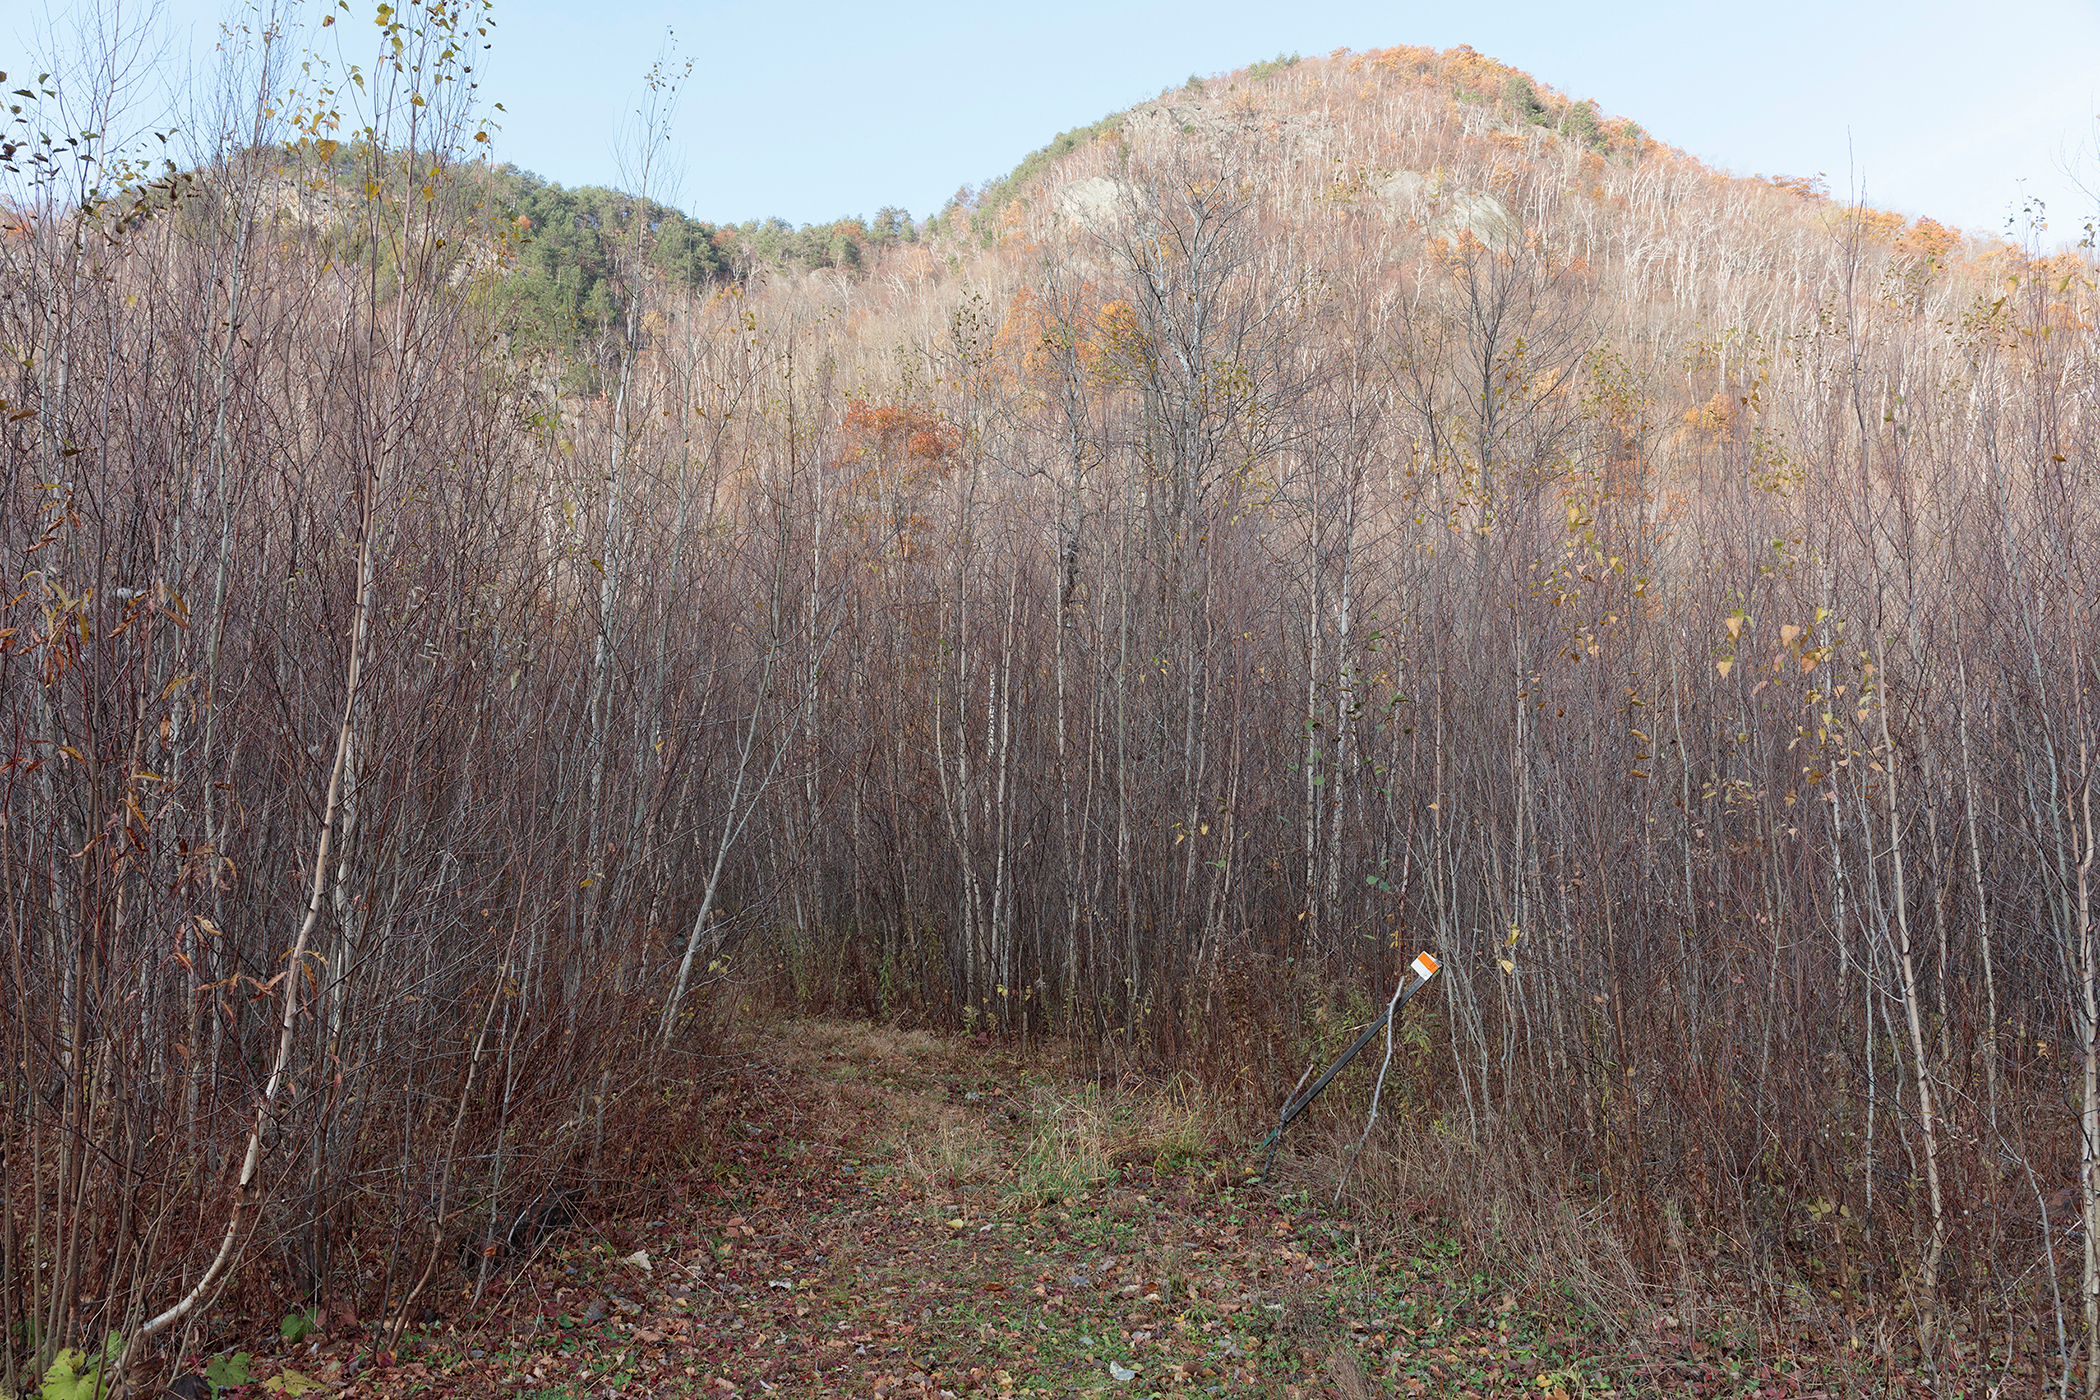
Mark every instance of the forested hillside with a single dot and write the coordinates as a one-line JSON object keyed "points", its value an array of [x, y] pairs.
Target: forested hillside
{"points": [[469, 641], [564, 278]]}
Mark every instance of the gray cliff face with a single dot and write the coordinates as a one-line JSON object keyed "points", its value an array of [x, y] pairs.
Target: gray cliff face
{"points": [[1447, 213]]}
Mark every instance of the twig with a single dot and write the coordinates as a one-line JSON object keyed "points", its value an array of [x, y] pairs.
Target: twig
{"points": [[1377, 1092], [247, 1197], [391, 1333]]}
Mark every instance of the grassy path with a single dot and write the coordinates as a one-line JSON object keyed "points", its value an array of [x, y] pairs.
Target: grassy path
{"points": [[904, 1216]]}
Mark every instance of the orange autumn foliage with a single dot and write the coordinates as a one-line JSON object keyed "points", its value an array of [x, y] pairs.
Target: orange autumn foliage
{"points": [[895, 455], [1928, 238]]}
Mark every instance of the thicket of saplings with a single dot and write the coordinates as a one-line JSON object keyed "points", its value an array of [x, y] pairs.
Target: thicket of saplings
{"points": [[1151, 631]]}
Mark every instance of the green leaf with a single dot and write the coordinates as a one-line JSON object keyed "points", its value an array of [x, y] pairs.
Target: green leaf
{"points": [[74, 1375], [290, 1383], [71, 1377], [226, 1372]]}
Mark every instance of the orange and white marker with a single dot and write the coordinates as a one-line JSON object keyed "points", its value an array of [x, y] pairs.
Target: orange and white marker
{"points": [[1424, 966]]}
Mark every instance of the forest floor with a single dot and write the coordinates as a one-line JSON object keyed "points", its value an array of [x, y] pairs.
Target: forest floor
{"points": [[900, 1215]]}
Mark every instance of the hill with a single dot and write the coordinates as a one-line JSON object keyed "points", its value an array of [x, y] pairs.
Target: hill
{"points": [[568, 246]]}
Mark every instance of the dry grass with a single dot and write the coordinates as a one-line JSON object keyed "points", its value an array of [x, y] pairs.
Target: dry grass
{"points": [[940, 1150], [1501, 1199], [1084, 1136], [861, 1050], [867, 1068], [1347, 1377], [974, 1127], [1069, 1154], [1170, 1129]]}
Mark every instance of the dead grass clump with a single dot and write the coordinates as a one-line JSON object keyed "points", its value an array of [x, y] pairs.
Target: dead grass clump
{"points": [[941, 1150], [867, 1061], [1071, 1151], [1505, 1205], [1347, 1377], [898, 1046], [1083, 1138], [1174, 1129]]}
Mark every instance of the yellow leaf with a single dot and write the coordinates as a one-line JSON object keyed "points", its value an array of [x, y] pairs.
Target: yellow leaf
{"points": [[1787, 633], [1735, 626], [1724, 667], [1507, 965]]}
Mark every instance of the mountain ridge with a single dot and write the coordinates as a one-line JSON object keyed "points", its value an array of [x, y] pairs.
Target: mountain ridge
{"points": [[1514, 101]]}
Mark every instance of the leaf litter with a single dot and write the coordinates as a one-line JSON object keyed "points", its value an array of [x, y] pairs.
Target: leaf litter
{"points": [[908, 1216]]}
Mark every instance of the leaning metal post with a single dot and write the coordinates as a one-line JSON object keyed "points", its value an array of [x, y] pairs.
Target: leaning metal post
{"points": [[1424, 967]]}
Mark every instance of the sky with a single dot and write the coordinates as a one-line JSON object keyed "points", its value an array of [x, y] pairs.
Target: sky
{"points": [[816, 110]]}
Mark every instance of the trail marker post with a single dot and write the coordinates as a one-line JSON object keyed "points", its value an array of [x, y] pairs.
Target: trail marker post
{"points": [[1424, 968]]}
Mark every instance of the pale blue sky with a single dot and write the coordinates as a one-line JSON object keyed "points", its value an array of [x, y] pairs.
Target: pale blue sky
{"points": [[816, 110]]}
